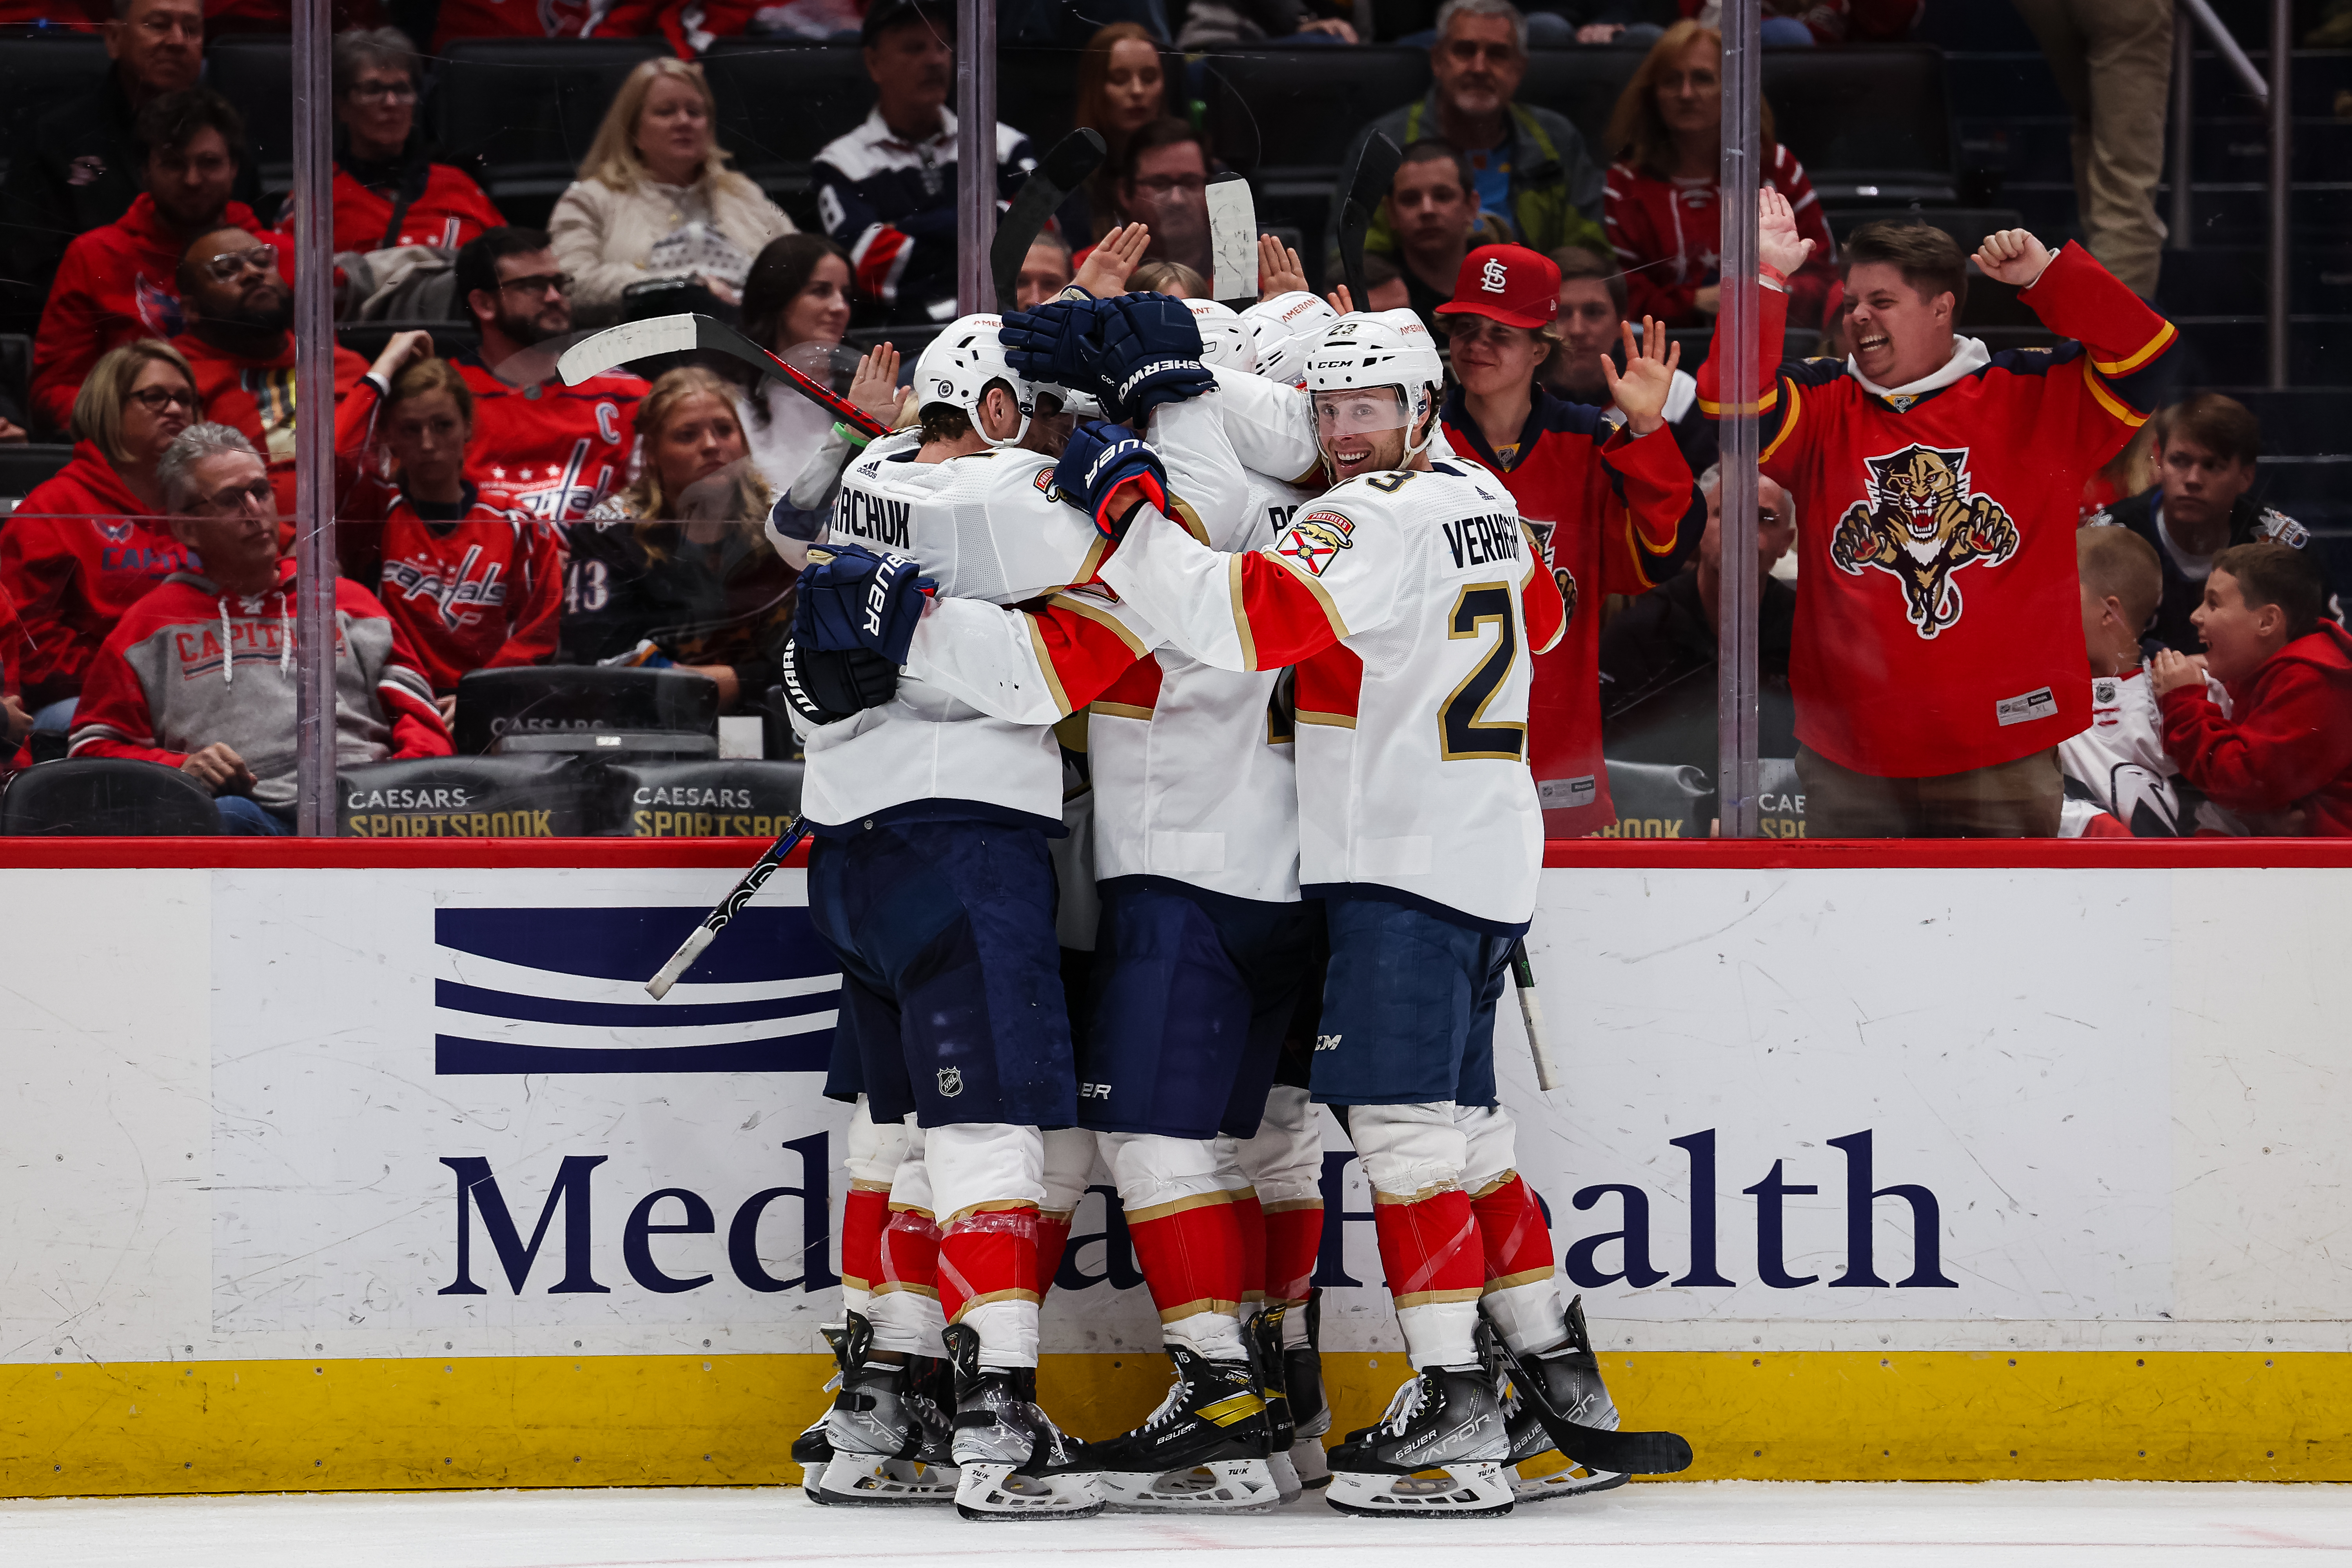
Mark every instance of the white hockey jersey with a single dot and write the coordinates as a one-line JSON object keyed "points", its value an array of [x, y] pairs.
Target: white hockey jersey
{"points": [[2117, 767], [1410, 602]]}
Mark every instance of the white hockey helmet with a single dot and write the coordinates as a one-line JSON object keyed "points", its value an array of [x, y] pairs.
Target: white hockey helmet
{"points": [[960, 366], [1385, 347], [1283, 327], [1225, 339]]}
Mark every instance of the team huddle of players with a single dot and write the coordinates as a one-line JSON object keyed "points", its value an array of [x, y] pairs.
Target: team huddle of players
{"points": [[1299, 628]]}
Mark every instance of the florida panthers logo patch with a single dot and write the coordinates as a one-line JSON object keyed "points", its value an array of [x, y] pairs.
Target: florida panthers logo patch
{"points": [[1920, 525], [1316, 540]]}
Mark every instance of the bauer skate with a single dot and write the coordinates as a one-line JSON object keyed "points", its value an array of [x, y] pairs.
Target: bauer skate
{"points": [[812, 1449], [1561, 1389], [1439, 1449], [1310, 1412], [889, 1442], [1536, 1469], [1263, 1335], [1011, 1460], [1203, 1451]]}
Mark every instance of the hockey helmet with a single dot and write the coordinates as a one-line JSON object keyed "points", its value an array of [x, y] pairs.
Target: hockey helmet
{"points": [[1283, 327], [1225, 339], [959, 367], [1385, 347]]}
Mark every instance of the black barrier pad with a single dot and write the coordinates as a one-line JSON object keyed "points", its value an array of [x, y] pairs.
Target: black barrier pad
{"points": [[735, 797], [544, 699], [468, 798]]}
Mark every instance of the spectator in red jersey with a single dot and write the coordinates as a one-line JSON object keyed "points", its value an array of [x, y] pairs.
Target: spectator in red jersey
{"points": [[2288, 670], [677, 570], [1609, 501], [1936, 662], [386, 192], [1122, 88], [557, 450], [199, 675], [1667, 136], [85, 545], [796, 302], [120, 281], [1433, 222], [239, 344], [1592, 302], [472, 582], [77, 170], [655, 198]]}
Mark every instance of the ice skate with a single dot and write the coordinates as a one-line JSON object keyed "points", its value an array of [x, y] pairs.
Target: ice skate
{"points": [[1439, 1448], [1263, 1335], [1203, 1451], [1310, 1413], [812, 1449], [1013, 1461], [1561, 1389], [1537, 1470], [888, 1441]]}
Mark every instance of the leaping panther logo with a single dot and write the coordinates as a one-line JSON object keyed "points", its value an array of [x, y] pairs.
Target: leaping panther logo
{"points": [[1920, 525]]}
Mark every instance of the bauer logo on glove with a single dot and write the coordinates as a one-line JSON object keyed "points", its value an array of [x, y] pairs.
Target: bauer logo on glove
{"points": [[861, 599], [1097, 465]]}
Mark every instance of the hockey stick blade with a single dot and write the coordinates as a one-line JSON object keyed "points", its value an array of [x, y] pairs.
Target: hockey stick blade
{"points": [[1232, 241], [1354, 223], [1364, 188], [1063, 170], [632, 340], [1523, 978], [1623, 1453], [749, 884]]}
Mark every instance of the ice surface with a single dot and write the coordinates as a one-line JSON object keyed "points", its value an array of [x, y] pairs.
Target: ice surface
{"points": [[1729, 1524]]}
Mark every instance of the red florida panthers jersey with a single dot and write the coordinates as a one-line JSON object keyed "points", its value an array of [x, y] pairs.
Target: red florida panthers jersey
{"points": [[1939, 629], [557, 450]]}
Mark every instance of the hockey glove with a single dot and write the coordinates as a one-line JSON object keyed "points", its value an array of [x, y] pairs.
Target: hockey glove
{"points": [[1105, 471], [1150, 354], [824, 687], [1055, 344], [860, 599]]}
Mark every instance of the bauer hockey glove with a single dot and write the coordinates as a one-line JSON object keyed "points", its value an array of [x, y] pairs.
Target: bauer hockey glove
{"points": [[860, 599], [824, 687], [1150, 354], [1107, 473], [1055, 344]]}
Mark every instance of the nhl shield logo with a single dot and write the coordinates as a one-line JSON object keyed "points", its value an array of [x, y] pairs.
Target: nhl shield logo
{"points": [[1921, 523], [950, 1082]]}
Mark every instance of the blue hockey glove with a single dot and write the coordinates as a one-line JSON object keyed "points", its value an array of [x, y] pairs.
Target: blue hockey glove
{"points": [[860, 599], [1150, 354], [825, 688], [1097, 465], [1056, 343]]}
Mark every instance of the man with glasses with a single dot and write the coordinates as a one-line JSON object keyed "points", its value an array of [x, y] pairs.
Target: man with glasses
{"points": [[120, 281], [557, 450], [1163, 182], [239, 341], [1531, 165], [200, 674]]}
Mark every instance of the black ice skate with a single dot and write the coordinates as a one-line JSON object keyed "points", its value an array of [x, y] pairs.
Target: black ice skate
{"points": [[1536, 1469], [888, 1442], [812, 1449], [1013, 1461], [1310, 1413], [1263, 1335], [1561, 1390], [1439, 1450], [1203, 1451]]}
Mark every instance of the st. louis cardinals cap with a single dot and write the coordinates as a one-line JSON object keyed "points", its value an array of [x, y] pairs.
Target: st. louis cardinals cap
{"points": [[1509, 283]]}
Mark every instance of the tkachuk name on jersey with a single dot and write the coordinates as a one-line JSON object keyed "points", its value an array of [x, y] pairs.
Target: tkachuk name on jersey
{"points": [[1476, 541], [1316, 540], [878, 518]]}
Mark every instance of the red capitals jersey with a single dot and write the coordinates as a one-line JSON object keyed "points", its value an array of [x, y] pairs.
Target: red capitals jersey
{"points": [[557, 450], [1939, 627], [477, 590], [1613, 514], [540, 19], [444, 211], [256, 398], [1667, 233]]}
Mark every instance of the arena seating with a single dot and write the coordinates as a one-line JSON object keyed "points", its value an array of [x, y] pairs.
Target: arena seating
{"points": [[37, 75], [738, 798], [1276, 109], [367, 339], [470, 798], [16, 370], [256, 73], [779, 106], [107, 796], [529, 109], [23, 466], [1871, 122], [586, 709]]}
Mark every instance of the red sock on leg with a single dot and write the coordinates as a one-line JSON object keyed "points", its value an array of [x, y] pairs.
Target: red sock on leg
{"points": [[1430, 1248], [865, 1213], [988, 1255], [1294, 1234], [1190, 1253], [1512, 1235], [1053, 1240], [1249, 1215], [909, 1254]]}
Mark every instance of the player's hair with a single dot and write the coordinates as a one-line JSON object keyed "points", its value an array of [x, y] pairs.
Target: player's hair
{"points": [[1575, 261], [783, 268], [357, 48], [477, 266], [2116, 563], [648, 502], [175, 470], [1150, 138], [2222, 425], [97, 407], [1430, 149], [426, 376], [612, 160], [2273, 573], [170, 122], [1928, 259], [1171, 277], [1637, 131], [1452, 8]]}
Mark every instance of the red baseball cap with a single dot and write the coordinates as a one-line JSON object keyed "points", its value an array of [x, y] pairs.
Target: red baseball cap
{"points": [[1509, 283]]}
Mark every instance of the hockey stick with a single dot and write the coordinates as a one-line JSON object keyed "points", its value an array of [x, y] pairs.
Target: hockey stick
{"points": [[618, 345], [1232, 241], [1594, 1447], [1064, 169], [729, 907], [1366, 186], [1523, 976]]}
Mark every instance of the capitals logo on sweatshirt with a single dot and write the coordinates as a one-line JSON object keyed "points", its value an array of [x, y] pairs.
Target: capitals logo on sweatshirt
{"points": [[1919, 525]]}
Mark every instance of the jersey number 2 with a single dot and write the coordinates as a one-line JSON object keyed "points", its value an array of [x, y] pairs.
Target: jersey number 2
{"points": [[1462, 734]]}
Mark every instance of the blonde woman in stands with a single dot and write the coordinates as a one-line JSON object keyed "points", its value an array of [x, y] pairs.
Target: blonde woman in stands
{"points": [[655, 198]]}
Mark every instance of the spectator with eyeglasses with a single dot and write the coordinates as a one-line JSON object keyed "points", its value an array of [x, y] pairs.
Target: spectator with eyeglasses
{"points": [[240, 345], [558, 450], [120, 281], [199, 675], [387, 192], [1163, 183], [88, 543]]}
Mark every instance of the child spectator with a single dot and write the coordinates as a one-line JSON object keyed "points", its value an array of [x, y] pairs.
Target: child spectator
{"points": [[472, 581], [2119, 783], [2287, 755], [1122, 88], [677, 569], [120, 280], [386, 192], [199, 675], [85, 545], [1667, 137], [655, 198], [556, 449], [796, 304]]}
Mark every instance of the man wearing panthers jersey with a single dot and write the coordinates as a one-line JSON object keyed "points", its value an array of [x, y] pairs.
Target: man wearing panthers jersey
{"points": [[1937, 659], [1614, 510]]}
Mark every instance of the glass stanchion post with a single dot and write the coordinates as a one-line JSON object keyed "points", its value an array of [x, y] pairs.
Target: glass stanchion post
{"points": [[1736, 671]]}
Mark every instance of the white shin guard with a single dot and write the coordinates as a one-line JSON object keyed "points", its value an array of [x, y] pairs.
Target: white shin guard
{"points": [[973, 1164]]}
